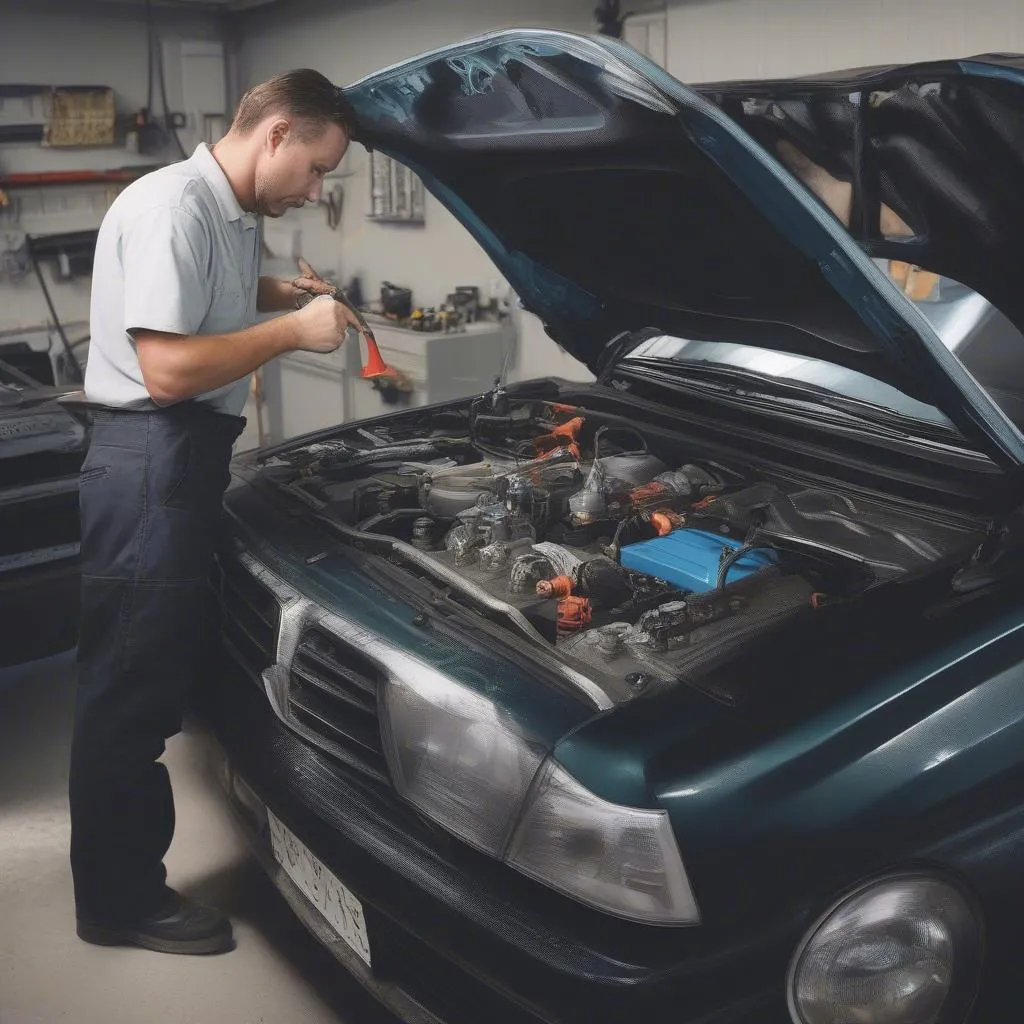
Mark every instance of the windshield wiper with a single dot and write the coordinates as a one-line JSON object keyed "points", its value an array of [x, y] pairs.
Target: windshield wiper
{"points": [[743, 384]]}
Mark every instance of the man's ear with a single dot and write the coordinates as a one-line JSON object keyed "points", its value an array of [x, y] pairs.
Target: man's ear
{"points": [[277, 133]]}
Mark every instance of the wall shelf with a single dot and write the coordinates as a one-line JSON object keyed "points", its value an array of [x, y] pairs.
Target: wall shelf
{"points": [[409, 221], [39, 179]]}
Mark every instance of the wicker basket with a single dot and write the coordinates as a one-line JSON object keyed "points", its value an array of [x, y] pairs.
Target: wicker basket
{"points": [[80, 117]]}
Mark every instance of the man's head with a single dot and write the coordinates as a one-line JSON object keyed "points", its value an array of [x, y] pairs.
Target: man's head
{"points": [[294, 128]]}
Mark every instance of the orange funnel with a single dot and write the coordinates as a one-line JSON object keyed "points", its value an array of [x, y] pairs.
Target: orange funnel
{"points": [[375, 365]]}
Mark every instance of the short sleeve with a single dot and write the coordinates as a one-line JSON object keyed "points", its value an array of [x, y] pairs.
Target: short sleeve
{"points": [[164, 256]]}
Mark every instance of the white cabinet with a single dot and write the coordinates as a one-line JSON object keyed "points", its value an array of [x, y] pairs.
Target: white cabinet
{"points": [[312, 395]]}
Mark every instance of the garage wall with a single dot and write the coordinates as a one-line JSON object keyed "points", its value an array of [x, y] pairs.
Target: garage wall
{"points": [[47, 43], [711, 40], [353, 41]]}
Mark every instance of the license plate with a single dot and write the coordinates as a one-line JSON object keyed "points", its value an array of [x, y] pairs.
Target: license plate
{"points": [[339, 907]]}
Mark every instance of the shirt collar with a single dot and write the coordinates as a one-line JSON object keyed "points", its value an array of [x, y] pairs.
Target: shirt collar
{"points": [[205, 162]]}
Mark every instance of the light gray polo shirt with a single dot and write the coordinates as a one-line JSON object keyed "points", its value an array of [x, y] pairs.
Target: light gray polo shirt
{"points": [[175, 253]]}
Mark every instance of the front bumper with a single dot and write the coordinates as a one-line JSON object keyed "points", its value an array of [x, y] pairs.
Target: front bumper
{"points": [[455, 936]]}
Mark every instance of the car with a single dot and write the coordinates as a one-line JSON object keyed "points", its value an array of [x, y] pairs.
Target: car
{"points": [[42, 447], [692, 693]]}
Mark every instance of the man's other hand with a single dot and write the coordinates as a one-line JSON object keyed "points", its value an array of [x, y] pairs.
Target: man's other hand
{"points": [[311, 282]]}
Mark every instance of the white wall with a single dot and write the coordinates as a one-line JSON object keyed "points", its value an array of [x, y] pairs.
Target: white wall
{"points": [[712, 40], [354, 41], [47, 43]]}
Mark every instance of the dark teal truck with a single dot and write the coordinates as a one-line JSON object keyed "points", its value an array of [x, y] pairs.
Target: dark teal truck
{"points": [[42, 445], [694, 694]]}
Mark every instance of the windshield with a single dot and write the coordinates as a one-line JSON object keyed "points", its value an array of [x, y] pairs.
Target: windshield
{"points": [[981, 337]]}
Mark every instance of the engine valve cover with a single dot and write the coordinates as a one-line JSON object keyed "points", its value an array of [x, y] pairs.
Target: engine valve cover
{"points": [[690, 559]]}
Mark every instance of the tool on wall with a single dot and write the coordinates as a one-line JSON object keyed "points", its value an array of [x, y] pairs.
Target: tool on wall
{"points": [[610, 18], [334, 200]]}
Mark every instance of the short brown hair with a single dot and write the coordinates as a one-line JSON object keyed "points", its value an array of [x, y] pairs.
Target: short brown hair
{"points": [[306, 96]]}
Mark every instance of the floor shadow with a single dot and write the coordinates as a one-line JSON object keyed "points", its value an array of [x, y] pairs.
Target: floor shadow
{"points": [[36, 718]]}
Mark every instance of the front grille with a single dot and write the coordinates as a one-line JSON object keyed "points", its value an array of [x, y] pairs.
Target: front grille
{"points": [[249, 617], [332, 694]]}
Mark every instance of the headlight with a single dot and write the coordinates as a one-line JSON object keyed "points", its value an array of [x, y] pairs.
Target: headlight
{"points": [[452, 756], [893, 953], [622, 860], [455, 756]]}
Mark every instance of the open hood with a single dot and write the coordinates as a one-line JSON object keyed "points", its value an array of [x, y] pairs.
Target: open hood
{"points": [[614, 199]]}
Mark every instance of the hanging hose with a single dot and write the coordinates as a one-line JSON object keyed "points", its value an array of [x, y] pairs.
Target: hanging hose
{"points": [[729, 561], [395, 453], [619, 429], [151, 40], [614, 549], [595, 478], [149, 57], [388, 517]]}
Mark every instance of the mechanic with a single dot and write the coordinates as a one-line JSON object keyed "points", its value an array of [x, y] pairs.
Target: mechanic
{"points": [[175, 293]]}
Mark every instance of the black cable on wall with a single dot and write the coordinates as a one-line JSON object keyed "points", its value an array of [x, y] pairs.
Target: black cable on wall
{"points": [[73, 365], [153, 42]]}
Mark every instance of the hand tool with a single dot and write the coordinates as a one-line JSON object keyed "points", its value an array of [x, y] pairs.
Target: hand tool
{"points": [[375, 367]]}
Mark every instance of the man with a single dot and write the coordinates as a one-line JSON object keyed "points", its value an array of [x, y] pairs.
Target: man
{"points": [[175, 291]]}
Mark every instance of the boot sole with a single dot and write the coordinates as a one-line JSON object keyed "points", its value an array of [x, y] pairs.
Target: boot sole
{"points": [[100, 935]]}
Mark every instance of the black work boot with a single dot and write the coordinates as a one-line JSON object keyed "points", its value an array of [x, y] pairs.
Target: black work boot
{"points": [[179, 925]]}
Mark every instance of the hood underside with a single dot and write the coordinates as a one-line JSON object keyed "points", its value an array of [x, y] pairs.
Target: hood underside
{"points": [[615, 199]]}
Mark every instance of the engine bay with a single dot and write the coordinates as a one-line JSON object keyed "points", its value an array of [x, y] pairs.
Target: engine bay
{"points": [[632, 556]]}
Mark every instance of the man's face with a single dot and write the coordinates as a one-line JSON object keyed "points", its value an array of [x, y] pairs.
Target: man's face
{"points": [[291, 168]]}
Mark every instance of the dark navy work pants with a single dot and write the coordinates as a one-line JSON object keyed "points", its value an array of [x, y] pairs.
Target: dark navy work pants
{"points": [[151, 491]]}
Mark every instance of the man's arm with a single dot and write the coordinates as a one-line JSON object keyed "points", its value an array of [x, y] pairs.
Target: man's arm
{"points": [[274, 295], [176, 367], [166, 255]]}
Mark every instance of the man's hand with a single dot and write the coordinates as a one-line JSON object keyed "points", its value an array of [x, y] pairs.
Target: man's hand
{"points": [[311, 282], [323, 323]]}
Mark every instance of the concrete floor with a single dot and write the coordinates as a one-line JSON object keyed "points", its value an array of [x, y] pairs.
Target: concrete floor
{"points": [[276, 975]]}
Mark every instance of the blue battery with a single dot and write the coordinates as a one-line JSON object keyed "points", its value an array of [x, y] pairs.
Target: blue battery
{"points": [[689, 559]]}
